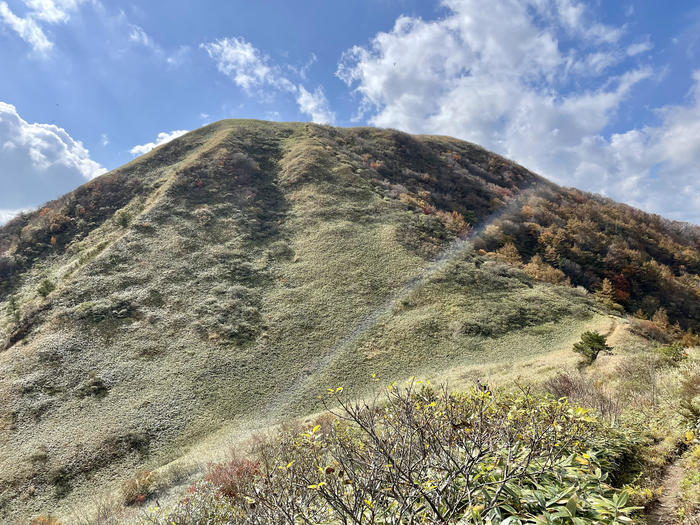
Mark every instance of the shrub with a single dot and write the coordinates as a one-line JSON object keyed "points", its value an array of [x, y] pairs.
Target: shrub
{"points": [[59, 222], [690, 487], [417, 455], [540, 270], [454, 222], [649, 330], [590, 345], [122, 218], [508, 253], [230, 477], [606, 292], [689, 391], [46, 287], [672, 354], [584, 391], [138, 489], [690, 339], [638, 379]]}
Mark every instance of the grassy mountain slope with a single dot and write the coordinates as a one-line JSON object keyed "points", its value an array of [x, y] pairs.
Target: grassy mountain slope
{"points": [[236, 272]]}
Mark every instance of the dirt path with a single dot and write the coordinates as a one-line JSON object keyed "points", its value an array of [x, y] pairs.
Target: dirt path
{"points": [[663, 512], [611, 330]]}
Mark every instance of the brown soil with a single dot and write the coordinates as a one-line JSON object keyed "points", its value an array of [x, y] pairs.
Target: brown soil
{"points": [[663, 512]]}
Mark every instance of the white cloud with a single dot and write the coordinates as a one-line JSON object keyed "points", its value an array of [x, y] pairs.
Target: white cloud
{"points": [[303, 70], [104, 140], [315, 104], [662, 162], [495, 72], [53, 11], [253, 71], [46, 145], [38, 161], [162, 138], [7, 215], [245, 64], [139, 36], [29, 28], [639, 47]]}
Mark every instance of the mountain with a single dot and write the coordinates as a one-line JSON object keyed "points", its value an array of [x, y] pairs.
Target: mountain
{"points": [[222, 281]]}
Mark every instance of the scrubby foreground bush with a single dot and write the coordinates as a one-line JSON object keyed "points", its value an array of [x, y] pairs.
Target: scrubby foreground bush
{"points": [[416, 455]]}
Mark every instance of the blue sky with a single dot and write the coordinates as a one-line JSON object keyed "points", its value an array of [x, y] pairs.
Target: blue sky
{"points": [[604, 96]]}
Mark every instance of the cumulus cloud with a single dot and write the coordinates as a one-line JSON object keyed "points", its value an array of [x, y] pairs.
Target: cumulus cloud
{"points": [[495, 72], [29, 28], [38, 161], [315, 104], [255, 72], [162, 138]]}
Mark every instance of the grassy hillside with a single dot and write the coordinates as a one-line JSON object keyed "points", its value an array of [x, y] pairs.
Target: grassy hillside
{"points": [[232, 275]]}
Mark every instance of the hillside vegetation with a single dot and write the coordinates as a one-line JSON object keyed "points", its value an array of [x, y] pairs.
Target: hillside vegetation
{"points": [[228, 277]]}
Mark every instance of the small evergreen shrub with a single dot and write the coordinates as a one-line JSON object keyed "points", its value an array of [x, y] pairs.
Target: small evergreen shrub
{"points": [[590, 345], [122, 218], [46, 287]]}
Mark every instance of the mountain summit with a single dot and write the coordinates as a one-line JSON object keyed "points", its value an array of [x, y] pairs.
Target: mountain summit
{"points": [[228, 277]]}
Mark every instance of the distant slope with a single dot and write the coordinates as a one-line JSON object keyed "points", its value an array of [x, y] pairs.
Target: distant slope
{"points": [[238, 271]]}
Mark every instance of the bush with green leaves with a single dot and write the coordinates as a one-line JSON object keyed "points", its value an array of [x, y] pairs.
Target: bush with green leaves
{"points": [[122, 218], [672, 354], [590, 345], [418, 455], [46, 287]]}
